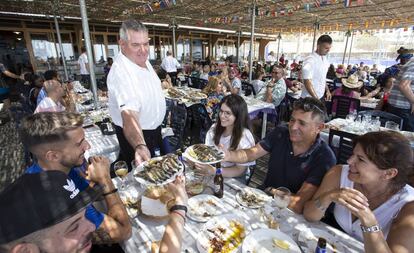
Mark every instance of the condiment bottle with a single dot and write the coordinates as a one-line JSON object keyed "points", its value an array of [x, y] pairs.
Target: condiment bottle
{"points": [[321, 246], [218, 182]]}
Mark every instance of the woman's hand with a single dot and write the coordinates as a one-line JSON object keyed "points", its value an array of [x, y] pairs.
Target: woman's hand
{"points": [[205, 169], [356, 203]]}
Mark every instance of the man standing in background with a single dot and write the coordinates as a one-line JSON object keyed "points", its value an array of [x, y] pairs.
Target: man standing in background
{"points": [[170, 65], [315, 68], [84, 68]]}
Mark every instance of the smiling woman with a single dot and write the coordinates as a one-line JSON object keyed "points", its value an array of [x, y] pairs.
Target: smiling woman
{"points": [[371, 195], [232, 132]]}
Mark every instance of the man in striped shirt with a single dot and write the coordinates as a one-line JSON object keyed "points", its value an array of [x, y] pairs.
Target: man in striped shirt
{"points": [[401, 99]]}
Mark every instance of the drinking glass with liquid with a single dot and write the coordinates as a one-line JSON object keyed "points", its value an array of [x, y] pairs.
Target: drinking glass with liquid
{"points": [[121, 170]]}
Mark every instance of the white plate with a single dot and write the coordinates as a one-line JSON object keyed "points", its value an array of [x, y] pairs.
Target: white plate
{"points": [[256, 192], [203, 238], [189, 150], [203, 203], [142, 181], [310, 237], [261, 241]]}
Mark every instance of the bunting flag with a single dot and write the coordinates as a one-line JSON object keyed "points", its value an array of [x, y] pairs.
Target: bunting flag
{"points": [[317, 4], [347, 3], [307, 7]]}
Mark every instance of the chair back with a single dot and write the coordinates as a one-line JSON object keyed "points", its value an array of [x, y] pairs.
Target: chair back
{"points": [[178, 124], [345, 145], [383, 116], [198, 123], [248, 88], [343, 105], [197, 83]]}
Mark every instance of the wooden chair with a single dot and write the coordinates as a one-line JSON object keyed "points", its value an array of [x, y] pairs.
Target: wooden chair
{"points": [[345, 147]]}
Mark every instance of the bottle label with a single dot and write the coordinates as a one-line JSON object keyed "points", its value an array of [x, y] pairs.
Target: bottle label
{"points": [[217, 188]]}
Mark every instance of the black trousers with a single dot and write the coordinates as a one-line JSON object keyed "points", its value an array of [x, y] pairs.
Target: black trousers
{"points": [[173, 76], [153, 139]]}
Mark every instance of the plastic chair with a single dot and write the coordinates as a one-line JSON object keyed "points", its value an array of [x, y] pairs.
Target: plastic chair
{"points": [[344, 150], [197, 83], [198, 123], [383, 116], [343, 106], [248, 88], [178, 124]]}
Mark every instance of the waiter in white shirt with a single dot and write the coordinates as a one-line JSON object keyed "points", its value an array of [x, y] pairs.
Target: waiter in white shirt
{"points": [[315, 68], [136, 101], [170, 65], [84, 68]]}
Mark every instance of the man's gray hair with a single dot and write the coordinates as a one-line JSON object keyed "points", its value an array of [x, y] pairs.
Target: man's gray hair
{"points": [[131, 24]]}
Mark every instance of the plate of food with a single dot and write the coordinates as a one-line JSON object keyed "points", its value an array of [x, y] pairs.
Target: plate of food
{"points": [[201, 153], [202, 208], [252, 198], [198, 95], [311, 236], [267, 240], [159, 170], [223, 233], [174, 93]]}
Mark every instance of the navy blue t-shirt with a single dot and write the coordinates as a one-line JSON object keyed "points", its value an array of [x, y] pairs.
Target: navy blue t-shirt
{"points": [[81, 183], [287, 170]]}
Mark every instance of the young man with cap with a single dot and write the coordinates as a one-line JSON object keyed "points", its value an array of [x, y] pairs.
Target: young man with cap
{"points": [[57, 140], [45, 212]]}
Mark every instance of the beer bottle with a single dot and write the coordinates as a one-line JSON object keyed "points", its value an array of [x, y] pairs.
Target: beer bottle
{"points": [[321, 246], [218, 182]]}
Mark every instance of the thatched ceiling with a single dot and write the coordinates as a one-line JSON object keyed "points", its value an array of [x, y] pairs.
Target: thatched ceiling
{"points": [[232, 14]]}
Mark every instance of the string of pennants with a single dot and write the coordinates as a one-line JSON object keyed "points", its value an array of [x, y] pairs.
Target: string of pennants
{"points": [[152, 6], [368, 26], [288, 10]]}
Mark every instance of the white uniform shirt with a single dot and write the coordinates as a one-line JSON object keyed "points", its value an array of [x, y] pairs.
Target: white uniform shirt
{"points": [[48, 105], [271, 59], [131, 87], [82, 61], [246, 141], [315, 68], [170, 64]]}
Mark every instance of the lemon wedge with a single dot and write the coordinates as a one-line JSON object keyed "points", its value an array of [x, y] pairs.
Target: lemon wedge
{"points": [[281, 244]]}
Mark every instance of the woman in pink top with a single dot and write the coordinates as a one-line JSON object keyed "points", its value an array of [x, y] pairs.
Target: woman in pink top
{"points": [[350, 87]]}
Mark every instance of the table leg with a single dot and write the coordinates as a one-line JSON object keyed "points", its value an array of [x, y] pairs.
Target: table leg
{"points": [[264, 125]]}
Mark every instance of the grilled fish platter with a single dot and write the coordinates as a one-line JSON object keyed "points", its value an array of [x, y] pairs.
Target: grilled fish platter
{"points": [[159, 171], [202, 153], [175, 93]]}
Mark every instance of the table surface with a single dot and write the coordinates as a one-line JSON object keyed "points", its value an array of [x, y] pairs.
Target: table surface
{"points": [[147, 230]]}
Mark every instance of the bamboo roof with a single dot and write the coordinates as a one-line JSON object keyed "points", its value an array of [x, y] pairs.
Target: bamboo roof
{"points": [[273, 16]]}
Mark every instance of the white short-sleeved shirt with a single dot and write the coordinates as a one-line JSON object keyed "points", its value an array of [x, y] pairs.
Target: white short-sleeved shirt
{"points": [[131, 87], [236, 83], [315, 68], [246, 141], [48, 105], [170, 64], [82, 61]]}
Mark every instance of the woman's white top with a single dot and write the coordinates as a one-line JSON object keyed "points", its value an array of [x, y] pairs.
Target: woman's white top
{"points": [[246, 141], [385, 213]]}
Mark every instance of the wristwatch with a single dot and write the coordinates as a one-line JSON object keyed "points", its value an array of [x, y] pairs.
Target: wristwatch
{"points": [[371, 229]]}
